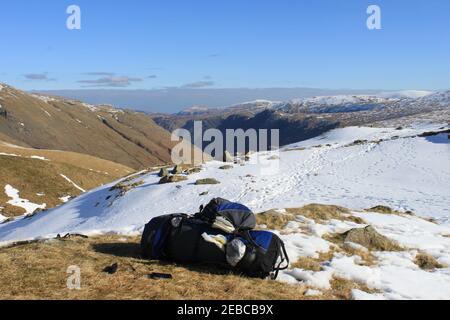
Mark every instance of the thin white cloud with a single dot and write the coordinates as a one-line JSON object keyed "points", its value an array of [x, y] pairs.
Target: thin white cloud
{"points": [[38, 77], [110, 81], [199, 84]]}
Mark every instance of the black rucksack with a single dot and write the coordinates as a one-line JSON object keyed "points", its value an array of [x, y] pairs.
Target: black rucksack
{"points": [[190, 239]]}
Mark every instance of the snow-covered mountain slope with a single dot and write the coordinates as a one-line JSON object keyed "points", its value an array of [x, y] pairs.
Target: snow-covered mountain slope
{"points": [[386, 166], [395, 103], [440, 98], [341, 103], [414, 94]]}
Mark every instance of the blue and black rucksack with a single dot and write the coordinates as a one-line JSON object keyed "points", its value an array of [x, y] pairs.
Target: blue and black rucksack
{"points": [[221, 233]]}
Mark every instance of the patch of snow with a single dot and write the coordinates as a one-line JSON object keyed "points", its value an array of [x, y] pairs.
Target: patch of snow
{"points": [[355, 246], [314, 279], [301, 245], [362, 295], [403, 283], [73, 183], [313, 292], [2, 218], [22, 203], [39, 158], [46, 112], [46, 99], [9, 154], [90, 107], [65, 198], [348, 268]]}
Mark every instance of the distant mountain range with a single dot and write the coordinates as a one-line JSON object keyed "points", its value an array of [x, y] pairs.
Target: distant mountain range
{"points": [[173, 99], [303, 118]]}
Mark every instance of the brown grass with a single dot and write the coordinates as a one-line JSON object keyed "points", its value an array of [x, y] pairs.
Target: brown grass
{"points": [[427, 262], [38, 271], [172, 179], [318, 212], [370, 240], [313, 264], [207, 181], [342, 289], [123, 187], [387, 210], [274, 220], [368, 259], [32, 177], [127, 137], [293, 149], [316, 264], [381, 209], [321, 213], [80, 160]]}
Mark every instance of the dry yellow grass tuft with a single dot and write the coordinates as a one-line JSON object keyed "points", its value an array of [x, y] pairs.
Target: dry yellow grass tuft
{"points": [[367, 258], [342, 289], [313, 264], [381, 209], [427, 262], [367, 237], [387, 210], [274, 220], [321, 213], [124, 186]]}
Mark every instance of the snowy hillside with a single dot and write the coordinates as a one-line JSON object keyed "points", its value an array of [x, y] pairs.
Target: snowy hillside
{"points": [[401, 172], [411, 99], [413, 94], [354, 167]]}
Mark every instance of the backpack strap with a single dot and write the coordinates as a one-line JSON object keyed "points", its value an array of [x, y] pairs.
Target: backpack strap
{"points": [[284, 258]]}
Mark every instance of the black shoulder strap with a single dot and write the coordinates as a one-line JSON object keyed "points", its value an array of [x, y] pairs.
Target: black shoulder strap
{"points": [[284, 258]]}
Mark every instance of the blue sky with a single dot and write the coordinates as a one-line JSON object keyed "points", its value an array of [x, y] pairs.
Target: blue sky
{"points": [[146, 44]]}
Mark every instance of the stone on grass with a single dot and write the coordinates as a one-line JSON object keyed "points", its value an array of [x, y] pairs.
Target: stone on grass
{"points": [[172, 179], [369, 238], [207, 181]]}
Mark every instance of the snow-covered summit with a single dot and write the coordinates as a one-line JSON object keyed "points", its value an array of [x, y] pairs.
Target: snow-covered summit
{"points": [[439, 98], [411, 94], [339, 100]]}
